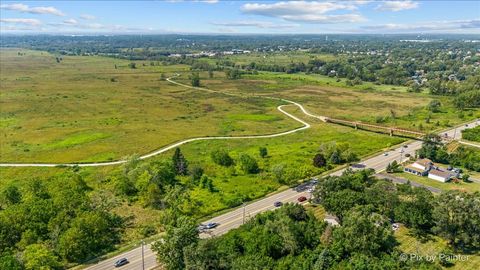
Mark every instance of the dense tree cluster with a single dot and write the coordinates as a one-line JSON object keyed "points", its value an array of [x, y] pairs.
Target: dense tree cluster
{"points": [[446, 215], [47, 224]]}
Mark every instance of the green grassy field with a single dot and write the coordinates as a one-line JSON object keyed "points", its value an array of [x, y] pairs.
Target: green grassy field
{"points": [[381, 104], [96, 109]]}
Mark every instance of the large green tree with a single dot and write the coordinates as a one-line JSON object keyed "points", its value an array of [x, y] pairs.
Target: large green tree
{"points": [[456, 217], [170, 250]]}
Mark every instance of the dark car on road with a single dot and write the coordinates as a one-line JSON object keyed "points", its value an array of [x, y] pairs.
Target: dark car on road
{"points": [[211, 225], [277, 204], [302, 199], [121, 262]]}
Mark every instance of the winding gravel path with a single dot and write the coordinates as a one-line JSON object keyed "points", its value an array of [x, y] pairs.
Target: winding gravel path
{"points": [[174, 145]]}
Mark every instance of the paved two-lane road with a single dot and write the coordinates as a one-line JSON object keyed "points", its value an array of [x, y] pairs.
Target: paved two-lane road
{"points": [[234, 218]]}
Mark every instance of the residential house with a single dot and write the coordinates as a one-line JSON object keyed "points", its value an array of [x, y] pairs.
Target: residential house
{"points": [[419, 167]]}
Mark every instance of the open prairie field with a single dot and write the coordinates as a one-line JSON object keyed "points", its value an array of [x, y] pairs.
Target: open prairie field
{"points": [[96, 109], [381, 104]]}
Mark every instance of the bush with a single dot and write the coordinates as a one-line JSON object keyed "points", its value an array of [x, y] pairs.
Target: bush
{"points": [[222, 158], [248, 164]]}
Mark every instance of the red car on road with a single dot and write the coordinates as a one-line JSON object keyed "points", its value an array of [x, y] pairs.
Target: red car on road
{"points": [[302, 199]]}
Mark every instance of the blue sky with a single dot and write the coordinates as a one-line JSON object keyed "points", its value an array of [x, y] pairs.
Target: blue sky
{"points": [[211, 16]]}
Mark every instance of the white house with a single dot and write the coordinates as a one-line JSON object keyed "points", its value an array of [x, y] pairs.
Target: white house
{"points": [[439, 175], [419, 167], [423, 164]]}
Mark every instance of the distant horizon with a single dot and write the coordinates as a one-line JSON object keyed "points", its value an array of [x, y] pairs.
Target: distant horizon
{"points": [[73, 34], [215, 17]]}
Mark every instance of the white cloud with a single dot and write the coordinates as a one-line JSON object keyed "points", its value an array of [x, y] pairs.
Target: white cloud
{"points": [[197, 1], [70, 21], [34, 10], [87, 17], [397, 5], [326, 19], [257, 24], [306, 11], [31, 22], [435, 26]]}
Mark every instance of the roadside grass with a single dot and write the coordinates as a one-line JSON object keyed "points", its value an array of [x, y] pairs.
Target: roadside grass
{"points": [[432, 248], [92, 108], [462, 186]]}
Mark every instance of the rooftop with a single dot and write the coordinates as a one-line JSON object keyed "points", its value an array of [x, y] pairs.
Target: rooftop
{"points": [[444, 174]]}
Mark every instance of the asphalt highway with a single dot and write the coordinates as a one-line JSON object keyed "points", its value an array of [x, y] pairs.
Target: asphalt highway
{"points": [[236, 217]]}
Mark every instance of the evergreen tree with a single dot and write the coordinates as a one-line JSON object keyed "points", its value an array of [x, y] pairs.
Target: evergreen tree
{"points": [[180, 163]]}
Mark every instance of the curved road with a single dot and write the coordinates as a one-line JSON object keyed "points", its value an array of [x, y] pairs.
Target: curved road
{"points": [[174, 145]]}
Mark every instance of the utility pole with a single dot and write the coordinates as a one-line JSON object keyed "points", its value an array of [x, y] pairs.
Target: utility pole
{"points": [[143, 259], [401, 155]]}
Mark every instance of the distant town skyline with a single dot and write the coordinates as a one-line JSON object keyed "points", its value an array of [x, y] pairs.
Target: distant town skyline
{"points": [[240, 17]]}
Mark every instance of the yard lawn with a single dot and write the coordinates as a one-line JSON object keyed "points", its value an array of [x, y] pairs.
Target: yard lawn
{"points": [[432, 247], [462, 186], [89, 108]]}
